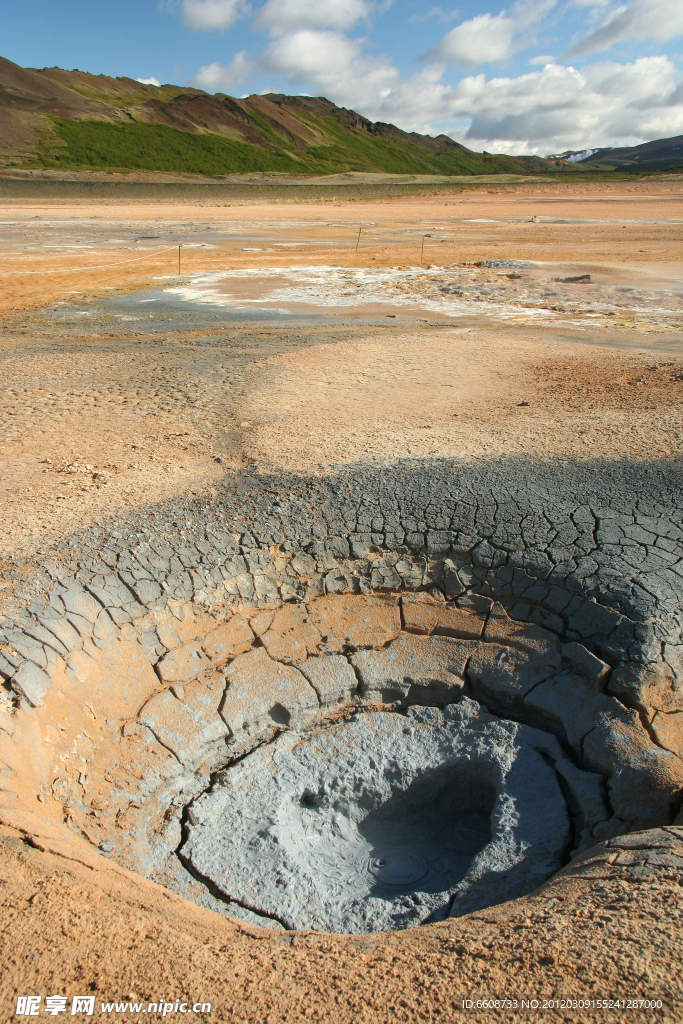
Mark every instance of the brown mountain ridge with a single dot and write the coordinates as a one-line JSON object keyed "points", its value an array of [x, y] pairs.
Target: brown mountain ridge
{"points": [[57, 118]]}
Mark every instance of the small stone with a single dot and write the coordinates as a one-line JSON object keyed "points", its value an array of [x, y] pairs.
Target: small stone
{"points": [[261, 623], [303, 564], [335, 582], [450, 581], [586, 663]]}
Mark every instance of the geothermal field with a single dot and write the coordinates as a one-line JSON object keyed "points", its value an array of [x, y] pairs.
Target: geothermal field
{"points": [[341, 563]]}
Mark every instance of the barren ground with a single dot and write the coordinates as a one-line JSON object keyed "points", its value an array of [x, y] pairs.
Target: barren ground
{"points": [[103, 412]]}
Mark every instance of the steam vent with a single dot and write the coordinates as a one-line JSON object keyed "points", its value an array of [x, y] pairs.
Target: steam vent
{"points": [[357, 703]]}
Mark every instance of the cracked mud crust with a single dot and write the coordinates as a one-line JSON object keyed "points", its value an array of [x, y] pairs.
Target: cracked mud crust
{"points": [[356, 586]]}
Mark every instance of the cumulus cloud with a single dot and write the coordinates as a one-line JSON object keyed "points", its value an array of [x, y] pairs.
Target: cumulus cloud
{"points": [[660, 20], [312, 55], [149, 81], [480, 40], [280, 16], [489, 38], [216, 78], [213, 15], [546, 110], [562, 108]]}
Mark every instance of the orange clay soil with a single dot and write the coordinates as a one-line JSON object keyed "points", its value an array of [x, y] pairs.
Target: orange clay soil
{"points": [[462, 394]]}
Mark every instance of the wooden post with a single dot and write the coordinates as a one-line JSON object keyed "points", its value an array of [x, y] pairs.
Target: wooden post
{"points": [[358, 239], [179, 259]]}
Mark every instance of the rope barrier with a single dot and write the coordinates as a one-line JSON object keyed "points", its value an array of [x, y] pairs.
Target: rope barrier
{"points": [[78, 270]]}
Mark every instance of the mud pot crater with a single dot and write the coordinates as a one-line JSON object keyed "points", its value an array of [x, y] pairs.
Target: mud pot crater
{"points": [[317, 707]]}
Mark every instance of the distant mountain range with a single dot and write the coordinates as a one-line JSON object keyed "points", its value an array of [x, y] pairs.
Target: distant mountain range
{"points": [[660, 155], [71, 120]]}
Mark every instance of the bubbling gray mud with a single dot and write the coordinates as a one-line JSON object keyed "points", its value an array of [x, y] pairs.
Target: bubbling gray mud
{"points": [[384, 821]]}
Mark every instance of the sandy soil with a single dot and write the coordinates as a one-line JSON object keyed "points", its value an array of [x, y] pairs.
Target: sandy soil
{"points": [[467, 393], [101, 429]]}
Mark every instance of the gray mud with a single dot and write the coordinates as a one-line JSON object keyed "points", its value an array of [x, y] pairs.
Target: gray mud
{"points": [[383, 822]]}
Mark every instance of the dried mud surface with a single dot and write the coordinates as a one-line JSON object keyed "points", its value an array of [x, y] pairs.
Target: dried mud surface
{"points": [[111, 423]]}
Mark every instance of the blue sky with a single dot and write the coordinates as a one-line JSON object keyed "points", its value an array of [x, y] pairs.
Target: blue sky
{"points": [[532, 76]]}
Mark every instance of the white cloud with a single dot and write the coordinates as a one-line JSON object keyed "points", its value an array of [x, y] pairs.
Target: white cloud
{"points": [[434, 12], [488, 38], [212, 15], [308, 54], [480, 40], [149, 81], [561, 108], [280, 16], [215, 78], [544, 58], [644, 19], [339, 70], [333, 61]]}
